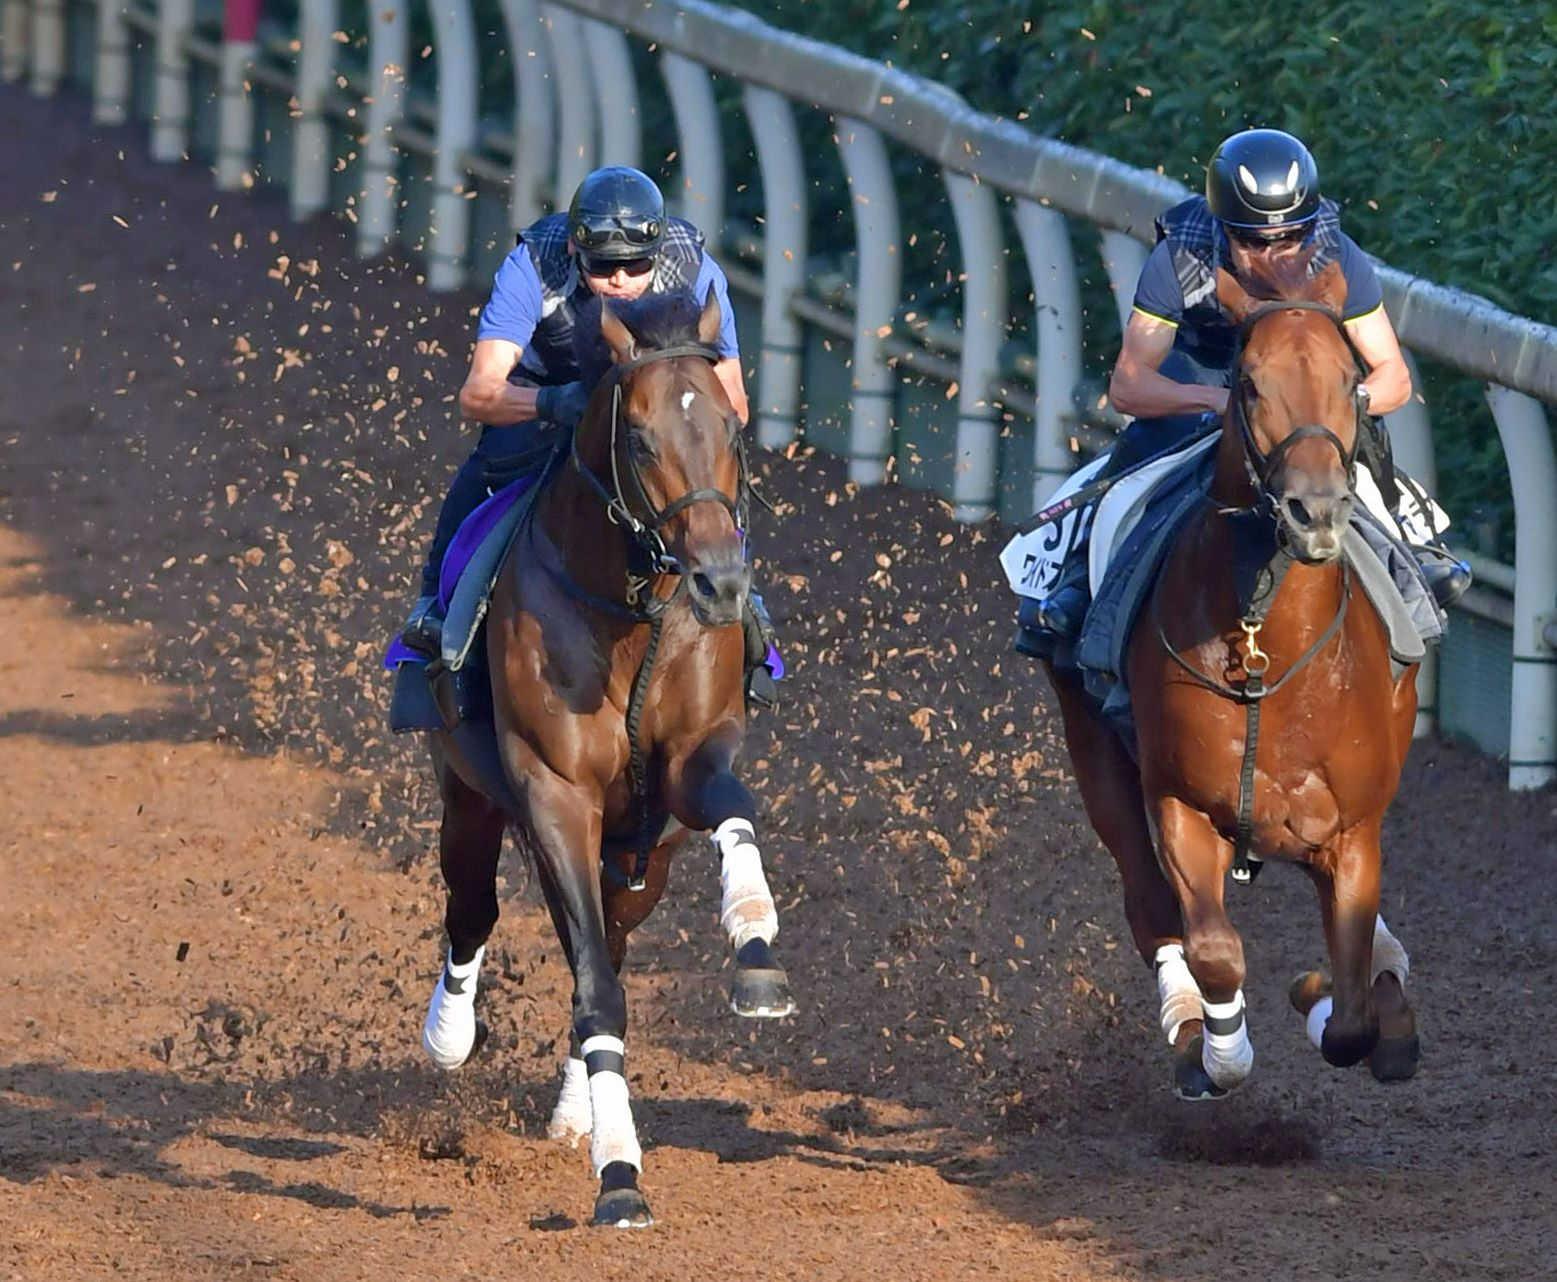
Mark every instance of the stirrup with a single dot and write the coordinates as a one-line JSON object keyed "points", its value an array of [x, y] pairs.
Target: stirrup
{"points": [[761, 688]]}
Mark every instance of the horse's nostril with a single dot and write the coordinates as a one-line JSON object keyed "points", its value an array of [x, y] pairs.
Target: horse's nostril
{"points": [[1299, 513], [704, 586]]}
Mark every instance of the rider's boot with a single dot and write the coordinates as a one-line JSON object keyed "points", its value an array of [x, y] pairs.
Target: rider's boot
{"points": [[1446, 575], [1063, 611], [761, 654]]}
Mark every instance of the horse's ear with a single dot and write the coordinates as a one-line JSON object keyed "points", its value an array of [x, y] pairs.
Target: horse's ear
{"points": [[1329, 287], [617, 336], [709, 323], [1235, 299]]}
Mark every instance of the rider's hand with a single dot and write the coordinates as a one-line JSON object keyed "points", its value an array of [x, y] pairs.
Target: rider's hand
{"points": [[563, 404]]}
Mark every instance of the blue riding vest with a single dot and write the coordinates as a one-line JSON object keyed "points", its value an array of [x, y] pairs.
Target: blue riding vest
{"points": [[549, 357]]}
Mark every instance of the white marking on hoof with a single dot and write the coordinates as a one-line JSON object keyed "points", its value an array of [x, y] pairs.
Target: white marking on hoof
{"points": [[570, 1120], [1318, 1017], [746, 910], [1226, 1054], [449, 1031], [1177, 992]]}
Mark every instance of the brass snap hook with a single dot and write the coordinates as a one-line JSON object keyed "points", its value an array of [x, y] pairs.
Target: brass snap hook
{"points": [[1255, 660]]}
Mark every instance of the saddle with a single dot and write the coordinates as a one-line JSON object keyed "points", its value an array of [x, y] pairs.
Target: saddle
{"points": [[1133, 528]]}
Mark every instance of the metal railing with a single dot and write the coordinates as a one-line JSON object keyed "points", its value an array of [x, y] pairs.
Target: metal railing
{"points": [[557, 137]]}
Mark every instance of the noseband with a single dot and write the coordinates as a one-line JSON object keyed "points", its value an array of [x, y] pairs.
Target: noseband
{"points": [[653, 557], [1260, 466]]}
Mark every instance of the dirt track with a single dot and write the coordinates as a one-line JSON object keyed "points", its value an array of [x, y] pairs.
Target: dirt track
{"points": [[221, 909]]}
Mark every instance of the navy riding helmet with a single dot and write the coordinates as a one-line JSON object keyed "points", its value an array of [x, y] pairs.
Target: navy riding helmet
{"points": [[617, 215], [1262, 179]]}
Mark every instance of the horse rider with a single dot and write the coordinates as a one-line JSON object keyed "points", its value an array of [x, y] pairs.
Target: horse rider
{"points": [[614, 242], [1262, 204]]}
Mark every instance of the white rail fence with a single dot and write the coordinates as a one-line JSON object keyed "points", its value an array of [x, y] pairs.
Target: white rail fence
{"points": [[547, 139]]}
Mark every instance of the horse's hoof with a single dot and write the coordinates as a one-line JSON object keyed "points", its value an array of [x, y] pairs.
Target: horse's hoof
{"points": [[1307, 989], [447, 1062], [1191, 1082], [1395, 1059], [761, 992], [621, 1205], [1343, 1049]]}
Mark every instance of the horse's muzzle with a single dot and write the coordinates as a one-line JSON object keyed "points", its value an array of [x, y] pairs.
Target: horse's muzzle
{"points": [[1313, 521], [717, 591]]}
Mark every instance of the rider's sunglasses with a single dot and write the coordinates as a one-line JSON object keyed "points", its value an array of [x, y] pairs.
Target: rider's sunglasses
{"points": [[604, 269], [1263, 240]]}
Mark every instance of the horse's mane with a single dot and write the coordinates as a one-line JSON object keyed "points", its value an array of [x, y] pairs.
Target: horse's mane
{"points": [[1284, 278], [656, 321]]}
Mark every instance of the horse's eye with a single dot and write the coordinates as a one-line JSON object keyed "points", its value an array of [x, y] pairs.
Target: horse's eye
{"points": [[1247, 387], [639, 445]]}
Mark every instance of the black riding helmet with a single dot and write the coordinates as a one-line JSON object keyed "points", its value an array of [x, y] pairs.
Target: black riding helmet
{"points": [[617, 215], [1263, 178]]}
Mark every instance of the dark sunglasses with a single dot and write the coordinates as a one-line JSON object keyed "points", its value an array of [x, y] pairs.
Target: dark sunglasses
{"points": [[626, 231], [1258, 240], [603, 268]]}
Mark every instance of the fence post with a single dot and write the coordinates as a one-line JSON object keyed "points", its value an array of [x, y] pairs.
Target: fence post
{"points": [[1123, 258], [389, 51], [575, 108], [48, 46], [879, 260], [699, 148], [785, 246], [310, 187], [1057, 303], [111, 77], [533, 116], [610, 63], [984, 303], [170, 111], [235, 104], [14, 23], [459, 83], [1532, 469]]}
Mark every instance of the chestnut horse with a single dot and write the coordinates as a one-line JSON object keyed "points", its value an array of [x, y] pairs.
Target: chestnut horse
{"points": [[1269, 720], [616, 659]]}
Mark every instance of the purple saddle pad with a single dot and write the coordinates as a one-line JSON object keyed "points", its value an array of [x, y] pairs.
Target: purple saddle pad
{"points": [[467, 539]]}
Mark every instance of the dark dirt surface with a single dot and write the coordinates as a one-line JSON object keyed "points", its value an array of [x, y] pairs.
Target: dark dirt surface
{"points": [[220, 441]]}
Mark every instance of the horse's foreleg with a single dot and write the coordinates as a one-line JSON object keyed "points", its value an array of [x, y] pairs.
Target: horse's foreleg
{"points": [[1347, 879], [469, 843], [707, 795], [566, 827], [1195, 859]]}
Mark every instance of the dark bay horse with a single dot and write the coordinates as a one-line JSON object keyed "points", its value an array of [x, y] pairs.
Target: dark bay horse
{"points": [[616, 653], [1270, 723]]}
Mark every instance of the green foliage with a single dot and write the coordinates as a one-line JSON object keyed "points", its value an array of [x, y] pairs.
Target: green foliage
{"points": [[1430, 121]]}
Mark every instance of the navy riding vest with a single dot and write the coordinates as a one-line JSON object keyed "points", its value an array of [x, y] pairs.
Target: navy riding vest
{"points": [[1198, 247]]}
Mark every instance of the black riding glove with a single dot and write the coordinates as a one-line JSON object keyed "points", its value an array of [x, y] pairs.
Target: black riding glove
{"points": [[563, 404]]}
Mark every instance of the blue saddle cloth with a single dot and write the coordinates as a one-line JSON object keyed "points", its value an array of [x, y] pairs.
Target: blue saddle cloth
{"points": [[1101, 650]]}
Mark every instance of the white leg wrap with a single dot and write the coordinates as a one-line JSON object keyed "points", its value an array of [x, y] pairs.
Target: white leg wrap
{"points": [[1318, 1017], [1388, 955], [571, 1119], [746, 911], [1227, 1057], [449, 1032], [1177, 991], [612, 1137]]}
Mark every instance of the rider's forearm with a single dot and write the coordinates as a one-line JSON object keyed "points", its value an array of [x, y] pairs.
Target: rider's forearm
{"points": [[1148, 394], [497, 403], [1389, 387]]}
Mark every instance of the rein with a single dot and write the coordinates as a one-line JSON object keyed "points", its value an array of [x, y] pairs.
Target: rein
{"points": [[1253, 692], [648, 558]]}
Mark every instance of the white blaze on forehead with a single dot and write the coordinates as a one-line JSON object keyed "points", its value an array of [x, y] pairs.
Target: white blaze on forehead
{"points": [[686, 399]]}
